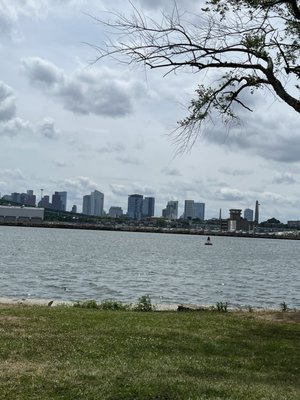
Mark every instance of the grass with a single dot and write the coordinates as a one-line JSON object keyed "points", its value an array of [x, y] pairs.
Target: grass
{"points": [[76, 353]]}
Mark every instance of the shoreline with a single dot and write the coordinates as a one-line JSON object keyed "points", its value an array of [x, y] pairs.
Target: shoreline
{"points": [[10, 301], [144, 229]]}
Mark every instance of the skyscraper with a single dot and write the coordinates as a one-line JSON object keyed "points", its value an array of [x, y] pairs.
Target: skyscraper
{"points": [[189, 209], [135, 204], [86, 205], [171, 211], [97, 202], [248, 214], [63, 198], [199, 210], [92, 204], [57, 203], [148, 207], [256, 216]]}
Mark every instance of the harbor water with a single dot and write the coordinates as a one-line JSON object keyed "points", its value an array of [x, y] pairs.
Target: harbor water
{"points": [[65, 264]]}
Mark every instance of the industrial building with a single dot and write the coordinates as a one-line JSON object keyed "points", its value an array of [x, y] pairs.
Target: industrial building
{"points": [[9, 214]]}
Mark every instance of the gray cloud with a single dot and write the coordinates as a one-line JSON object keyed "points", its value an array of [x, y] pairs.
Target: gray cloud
{"points": [[284, 178], [235, 172], [11, 174], [14, 127], [99, 91], [274, 139], [81, 184], [7, 102], [47, 129], [171, 171], [129, 160], [116, 147]]}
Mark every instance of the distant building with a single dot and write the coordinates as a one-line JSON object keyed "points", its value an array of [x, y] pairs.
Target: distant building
{"points": [[171, 210], [115, 212], [148, 207], [57, 203], [189, 209], [12, 213], [93, 203], [256, 216], [63, 198], [74, 209], [199, 211], [248, 214], [45, 202], [135, 204], [86, 205]]}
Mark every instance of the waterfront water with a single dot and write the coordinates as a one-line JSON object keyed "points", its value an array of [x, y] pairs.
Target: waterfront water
{"points": [[64, 264]]}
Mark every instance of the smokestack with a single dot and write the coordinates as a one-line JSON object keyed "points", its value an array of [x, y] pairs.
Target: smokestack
{"points": [[256, 216]]}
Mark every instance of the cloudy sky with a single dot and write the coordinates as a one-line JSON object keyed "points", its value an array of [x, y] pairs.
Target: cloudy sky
{"points": [[67, 123]]}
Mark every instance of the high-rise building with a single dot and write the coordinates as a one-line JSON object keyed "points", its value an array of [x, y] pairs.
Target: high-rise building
{"points": [[248, 214], [97, 203], [189, 209], [93, 203], [63, 198], [44, 202], [171, 210], [135, 204], [256, 216], [86, 205], [199, 210], [148, 207], [74, 209], [57, 203]]}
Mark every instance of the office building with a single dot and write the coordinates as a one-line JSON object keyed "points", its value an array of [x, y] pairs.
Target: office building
{"points": [[74, 209], [189, 209], [86, 205], [63, 198], [148, 207], [93, 203], [57, 203], [135, 205], [199, 210], [171, 210], [45, 202], [115, 212], [248, 214], [97, 203]]}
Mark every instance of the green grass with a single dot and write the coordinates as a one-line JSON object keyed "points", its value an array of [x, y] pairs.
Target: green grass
{"points": [[75, 353]]}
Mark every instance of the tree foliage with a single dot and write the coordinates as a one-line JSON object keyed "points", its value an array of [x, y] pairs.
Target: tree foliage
{"points": [[241, 45]]}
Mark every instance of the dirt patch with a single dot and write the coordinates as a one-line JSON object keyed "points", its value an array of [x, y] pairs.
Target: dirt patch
{"points": [[289, 316]]}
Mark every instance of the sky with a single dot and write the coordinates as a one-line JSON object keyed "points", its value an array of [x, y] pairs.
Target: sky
{"points": [[68, 123]]}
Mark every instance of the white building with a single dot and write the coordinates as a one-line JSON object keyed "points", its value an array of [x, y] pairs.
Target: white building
{"points": [[18, 213]]}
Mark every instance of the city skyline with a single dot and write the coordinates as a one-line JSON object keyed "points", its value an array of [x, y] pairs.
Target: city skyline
{"points": [[138, 206], [72, 125]]}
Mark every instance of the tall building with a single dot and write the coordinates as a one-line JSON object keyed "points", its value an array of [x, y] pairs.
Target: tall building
{"points": [[97, 203], [63, 198], [135, 205], [92, 204], [199, 210], [86, 205], [248, 214], [74, 209], [57, 203], [256, 216], [44, 202], [189, 209], [171, 210], [148, 207]]}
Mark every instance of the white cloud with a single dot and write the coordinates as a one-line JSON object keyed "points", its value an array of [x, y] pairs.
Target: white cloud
{"points": [[11, 174], [284, 178]]}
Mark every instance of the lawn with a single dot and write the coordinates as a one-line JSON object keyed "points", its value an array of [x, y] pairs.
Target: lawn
{"points": [[76, 353]]}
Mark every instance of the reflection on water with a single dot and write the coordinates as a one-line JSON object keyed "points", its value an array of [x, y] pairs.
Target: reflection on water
{"points": [[77, 265]]}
